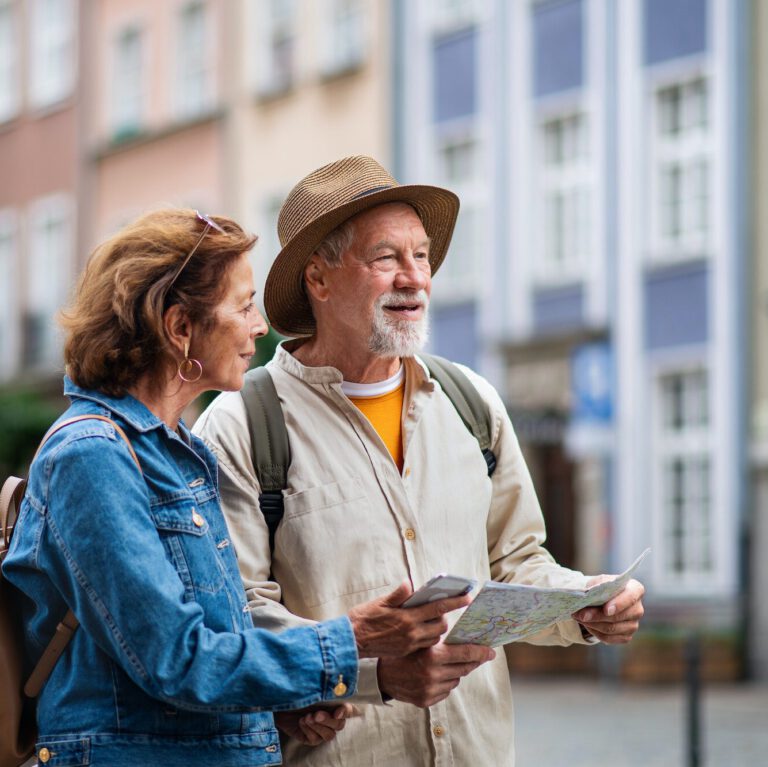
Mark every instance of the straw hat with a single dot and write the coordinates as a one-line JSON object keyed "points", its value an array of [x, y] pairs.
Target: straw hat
{"points": [[322, 201]]}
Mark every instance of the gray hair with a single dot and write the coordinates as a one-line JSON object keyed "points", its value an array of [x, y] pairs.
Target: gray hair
{"points": [[336, 242]]}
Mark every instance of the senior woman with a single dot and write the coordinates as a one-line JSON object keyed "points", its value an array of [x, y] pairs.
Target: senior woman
{"points": [[166, 667]]}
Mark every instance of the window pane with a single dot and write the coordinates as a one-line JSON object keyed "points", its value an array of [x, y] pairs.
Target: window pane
{"points": [[127, 92], [454, 60]]}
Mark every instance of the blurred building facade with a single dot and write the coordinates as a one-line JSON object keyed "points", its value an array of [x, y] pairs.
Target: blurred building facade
{"points": [[40, 121], [597, 276], [758, 307]]}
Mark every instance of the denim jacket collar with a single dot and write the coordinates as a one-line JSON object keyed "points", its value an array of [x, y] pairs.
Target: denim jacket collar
{"points": [[131, 410]]}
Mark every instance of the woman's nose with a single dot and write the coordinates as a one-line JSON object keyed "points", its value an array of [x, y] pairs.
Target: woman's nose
{"points": [[259, 327]]}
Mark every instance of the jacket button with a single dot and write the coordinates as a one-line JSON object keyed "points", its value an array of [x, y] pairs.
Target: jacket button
{"points": [[439, 731], [340, 688], [271, 749], [197, 520], [43, 755], [410, 534]]}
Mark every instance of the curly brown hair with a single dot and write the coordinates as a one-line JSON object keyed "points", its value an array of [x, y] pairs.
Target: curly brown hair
{"points": [[114, 326]]}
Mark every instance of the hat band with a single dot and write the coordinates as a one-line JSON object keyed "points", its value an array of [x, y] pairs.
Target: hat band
{"points": [[371, 191]]}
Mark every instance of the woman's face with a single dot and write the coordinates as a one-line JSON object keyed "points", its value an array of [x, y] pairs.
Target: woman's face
{"points": [[225, 352]]}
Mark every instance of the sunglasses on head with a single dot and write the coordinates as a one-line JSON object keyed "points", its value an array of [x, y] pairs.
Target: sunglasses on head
{"points": [[209, 224]]}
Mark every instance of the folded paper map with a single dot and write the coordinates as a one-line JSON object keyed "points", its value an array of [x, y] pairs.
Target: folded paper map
{"points": [[505, 612]]}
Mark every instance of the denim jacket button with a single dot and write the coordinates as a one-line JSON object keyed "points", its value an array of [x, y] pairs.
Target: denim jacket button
{"points": [[43, 755], [197, 520], [340, 688]]}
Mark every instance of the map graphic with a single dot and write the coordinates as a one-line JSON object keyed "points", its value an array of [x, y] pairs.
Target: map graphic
{"points": [[504, 612]]}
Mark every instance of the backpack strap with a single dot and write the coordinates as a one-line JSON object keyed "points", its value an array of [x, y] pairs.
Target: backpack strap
{"points": [[270, 450], [10, 502], [468, 403]]}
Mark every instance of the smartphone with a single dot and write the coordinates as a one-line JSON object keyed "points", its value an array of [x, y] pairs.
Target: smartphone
{"points": [[441, 586]]}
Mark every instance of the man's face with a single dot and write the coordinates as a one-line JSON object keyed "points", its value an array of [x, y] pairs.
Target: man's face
{"points": [[381, 291]]}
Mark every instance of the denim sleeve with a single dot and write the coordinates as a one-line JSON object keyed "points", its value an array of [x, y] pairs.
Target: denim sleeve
{"points": [[102, 550]]}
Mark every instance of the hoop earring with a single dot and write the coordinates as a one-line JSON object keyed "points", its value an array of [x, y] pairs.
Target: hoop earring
{"points": [[187, 366]]}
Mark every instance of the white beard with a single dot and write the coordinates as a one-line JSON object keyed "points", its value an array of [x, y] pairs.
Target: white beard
{"points": [[392, 337]]}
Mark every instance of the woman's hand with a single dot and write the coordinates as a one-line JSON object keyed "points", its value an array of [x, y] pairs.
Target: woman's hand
{"points": [[383, 628], [313, 726]]}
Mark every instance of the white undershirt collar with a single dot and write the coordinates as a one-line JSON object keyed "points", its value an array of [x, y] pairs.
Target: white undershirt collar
{"points": [[352, 389]]}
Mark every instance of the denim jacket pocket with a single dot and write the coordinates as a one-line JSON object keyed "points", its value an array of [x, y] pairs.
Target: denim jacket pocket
{"points": [[189, 544]]}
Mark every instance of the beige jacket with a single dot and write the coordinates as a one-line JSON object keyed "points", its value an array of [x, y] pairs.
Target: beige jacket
{"points": [[354, 528]]}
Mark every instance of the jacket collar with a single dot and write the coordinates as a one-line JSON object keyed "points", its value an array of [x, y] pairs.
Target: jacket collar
{"points": [[133, 412], [415, 369]]}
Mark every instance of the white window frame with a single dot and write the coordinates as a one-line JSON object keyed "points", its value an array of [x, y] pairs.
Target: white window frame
{"points": [[682, 152], [52, 36], [271, 31], [10, 72], [124, 120], [50, 269], [694, 443], [190, 101], [9, 308], [572, 182], [461, 272], [344, 44], [452, 15]]}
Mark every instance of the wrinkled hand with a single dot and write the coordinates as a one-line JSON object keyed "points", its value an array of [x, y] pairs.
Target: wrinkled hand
{"points": [[315, 725], [427, 676], [618, 619], [382, 628]]}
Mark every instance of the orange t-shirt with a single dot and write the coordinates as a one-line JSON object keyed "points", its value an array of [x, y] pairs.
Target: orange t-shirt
{"points": [[385, 414]]}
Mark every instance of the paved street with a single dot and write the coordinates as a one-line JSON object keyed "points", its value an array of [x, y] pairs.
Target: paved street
{"points": [[578, 723]]}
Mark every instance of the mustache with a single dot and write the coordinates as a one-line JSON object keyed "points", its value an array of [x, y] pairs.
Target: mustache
{"points": [[403, 297]]}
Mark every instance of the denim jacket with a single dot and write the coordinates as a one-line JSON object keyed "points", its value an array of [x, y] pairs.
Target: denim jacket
{"points": [[166, 667]]}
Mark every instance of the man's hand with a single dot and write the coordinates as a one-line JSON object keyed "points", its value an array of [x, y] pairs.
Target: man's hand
{"points": [[618, 619], [427, 676], [382, 628], [315, 725]]}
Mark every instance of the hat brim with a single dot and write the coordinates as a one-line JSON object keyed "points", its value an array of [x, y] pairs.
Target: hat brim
{"points": [[285, 299]]}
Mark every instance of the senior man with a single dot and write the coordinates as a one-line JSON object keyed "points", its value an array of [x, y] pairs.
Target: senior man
{"points": [[385, 481]]}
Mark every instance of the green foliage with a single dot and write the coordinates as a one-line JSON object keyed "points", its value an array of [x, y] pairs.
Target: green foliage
{"points": [[24, 418]]}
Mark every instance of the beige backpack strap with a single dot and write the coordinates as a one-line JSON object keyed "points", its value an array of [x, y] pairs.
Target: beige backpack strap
{"points": [[66, 629]]}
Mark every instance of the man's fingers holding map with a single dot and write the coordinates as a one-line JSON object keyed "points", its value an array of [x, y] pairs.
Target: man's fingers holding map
{"points": [[617, 620]]}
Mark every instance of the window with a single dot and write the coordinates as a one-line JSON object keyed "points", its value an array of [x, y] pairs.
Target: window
{"points": [[50, 271], [52, 51], [277, 72], [455, 92], [454, 14], [684, 478], [193, 77], [565, 198], [8, 309], [558, 46], [681, 184], [345, 39], [458, 166], [128, 90], [9, 62]]}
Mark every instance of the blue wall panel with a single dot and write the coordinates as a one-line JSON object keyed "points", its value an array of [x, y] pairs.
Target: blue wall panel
{"points": [[454, 332], [455, 77], [558, 47], [676, 306], [674, 28], [558, 309]]}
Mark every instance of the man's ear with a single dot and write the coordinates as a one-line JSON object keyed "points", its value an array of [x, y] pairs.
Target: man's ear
{"points": [[315, 278], [178, 328]]}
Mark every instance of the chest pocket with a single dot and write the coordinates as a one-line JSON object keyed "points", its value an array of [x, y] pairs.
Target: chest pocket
{"points": [[190, 546], [332, 543]]}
